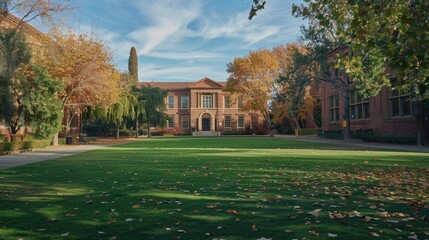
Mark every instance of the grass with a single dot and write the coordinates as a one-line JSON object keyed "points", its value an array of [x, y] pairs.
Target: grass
{"points": [[227, 188]]}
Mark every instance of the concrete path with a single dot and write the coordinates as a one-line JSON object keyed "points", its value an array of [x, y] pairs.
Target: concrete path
{"points": [[358, 143], [19, 159]]}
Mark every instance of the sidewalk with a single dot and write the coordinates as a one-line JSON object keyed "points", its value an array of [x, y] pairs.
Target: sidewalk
{"points": [[19, 159], [358, 143]]}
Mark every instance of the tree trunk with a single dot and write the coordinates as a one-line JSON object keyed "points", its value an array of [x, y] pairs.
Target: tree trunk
{"points": [[117, 132], [422, 125], [55, 140], [346, 116], [137, 127], [148, 126]]}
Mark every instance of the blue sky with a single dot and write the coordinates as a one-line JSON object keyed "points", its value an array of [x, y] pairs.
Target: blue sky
{"points": [[184, 40]]}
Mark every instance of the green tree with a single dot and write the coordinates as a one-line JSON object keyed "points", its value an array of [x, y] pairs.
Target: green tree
{"points": [[122, 110], [133, 65], [382, 37], [13, 52], [153, 100], [35, 102], [42, 106]]}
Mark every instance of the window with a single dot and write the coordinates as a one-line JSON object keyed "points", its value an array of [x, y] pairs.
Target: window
{"points": [[334, 108], [240, 121], [171, 122], [184, 101], [400, 103], [226, 102], [170, 101], [185, 122], [207, 101], [240, 102], [227, 123], [359, 106]]}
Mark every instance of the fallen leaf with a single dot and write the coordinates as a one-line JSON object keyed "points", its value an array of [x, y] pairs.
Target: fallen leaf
{"points": [[136, 206], [129, 219], [263, 238], [332, 235], [315, 212], [413, 237], [181, 231], [373, 234], [234, 212], [254, 227], [52, 220], [64, 234], [288, 231]]}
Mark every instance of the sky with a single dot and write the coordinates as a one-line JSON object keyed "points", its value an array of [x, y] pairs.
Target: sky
{"points": [[184, 40]]}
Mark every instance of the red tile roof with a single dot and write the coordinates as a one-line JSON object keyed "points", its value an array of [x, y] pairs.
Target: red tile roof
{"points": [[177, 86]]}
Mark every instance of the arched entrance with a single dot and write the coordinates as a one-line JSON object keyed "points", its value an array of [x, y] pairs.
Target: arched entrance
{"points": [[206, 122]]}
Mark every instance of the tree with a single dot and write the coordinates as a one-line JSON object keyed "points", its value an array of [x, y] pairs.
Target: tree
{"points": [[119, 111], [154, 106], [29, 10], [256, 7], [37, 92], [84, 65], [133, 65], [133, 71], [253, 77], [35, 102], [383, 38], [13, 52], [292, 99]]}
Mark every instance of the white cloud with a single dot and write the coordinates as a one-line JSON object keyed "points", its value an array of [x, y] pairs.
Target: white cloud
{"points": [[183, 55], [167, 17], [238, 27], [180, 73]]}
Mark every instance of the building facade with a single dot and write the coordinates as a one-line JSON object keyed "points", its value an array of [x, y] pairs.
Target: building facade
{"points": [[204, 106], [390, 112]]}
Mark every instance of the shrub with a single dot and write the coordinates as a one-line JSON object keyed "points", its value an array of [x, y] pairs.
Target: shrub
{"points": [[25, 145], [234, 133]]}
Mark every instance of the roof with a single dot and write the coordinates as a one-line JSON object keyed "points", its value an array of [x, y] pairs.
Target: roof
{"points": [[11, 21], [205, 83]]}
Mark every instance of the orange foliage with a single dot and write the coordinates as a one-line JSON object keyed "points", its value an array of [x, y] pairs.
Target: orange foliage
{"points": [[84, 65]]}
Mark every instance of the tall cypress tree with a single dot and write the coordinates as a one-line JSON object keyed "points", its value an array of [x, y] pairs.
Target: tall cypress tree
{"points": [[133, 65]]}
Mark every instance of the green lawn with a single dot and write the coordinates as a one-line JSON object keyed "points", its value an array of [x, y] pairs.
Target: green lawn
{"points": [[227, 188]]}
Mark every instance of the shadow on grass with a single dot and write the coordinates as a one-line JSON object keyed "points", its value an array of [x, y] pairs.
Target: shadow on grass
{"points": [[152, 191]]}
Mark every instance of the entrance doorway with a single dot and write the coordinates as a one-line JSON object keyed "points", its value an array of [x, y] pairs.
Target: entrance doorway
{"points": [[205, 122]]}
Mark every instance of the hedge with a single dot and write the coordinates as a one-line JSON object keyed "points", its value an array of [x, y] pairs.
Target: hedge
{"points": [[24, 145]]}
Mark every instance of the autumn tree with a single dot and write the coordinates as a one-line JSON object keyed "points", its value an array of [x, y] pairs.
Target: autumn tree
{"points": [[29, 10], [253, 77], [133, 65], [84, 65], [292, 99]]}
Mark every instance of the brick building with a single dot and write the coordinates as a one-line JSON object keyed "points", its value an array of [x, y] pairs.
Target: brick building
{"points": [[388, 113], [204, 107]]}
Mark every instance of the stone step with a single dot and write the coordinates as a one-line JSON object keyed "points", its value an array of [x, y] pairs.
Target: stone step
{"points": [[205, 133]]}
